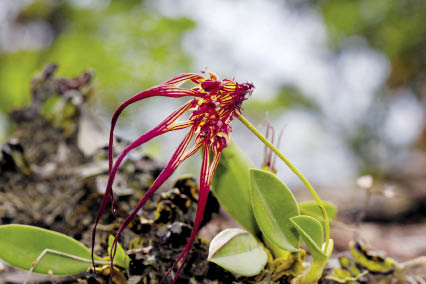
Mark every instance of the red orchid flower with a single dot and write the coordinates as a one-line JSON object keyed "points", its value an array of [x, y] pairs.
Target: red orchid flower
{"points": [[214, 105]]}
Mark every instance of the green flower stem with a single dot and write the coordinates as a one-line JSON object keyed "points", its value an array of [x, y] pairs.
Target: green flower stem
{"points": [[315, 271], [296, 171]]}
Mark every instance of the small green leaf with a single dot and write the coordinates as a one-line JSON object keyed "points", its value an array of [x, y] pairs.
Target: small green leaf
{"points": [[312, 234], [350, 265], [21, 245], [121, 258], [231, 186], [369, 260], [340, 275], [349, 271], [273, 206], [237, 251], [311, 208]]}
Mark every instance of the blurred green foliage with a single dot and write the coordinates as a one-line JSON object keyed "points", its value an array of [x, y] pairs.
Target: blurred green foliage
{"points": [[395, 27], [289, 97], [127, 43]]}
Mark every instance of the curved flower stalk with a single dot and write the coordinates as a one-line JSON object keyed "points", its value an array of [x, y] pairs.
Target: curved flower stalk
{"points": [[328, 247], [214, 105]]}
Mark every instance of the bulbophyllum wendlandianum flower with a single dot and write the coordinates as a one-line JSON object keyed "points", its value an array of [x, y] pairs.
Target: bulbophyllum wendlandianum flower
{"points": [[214, 105]]}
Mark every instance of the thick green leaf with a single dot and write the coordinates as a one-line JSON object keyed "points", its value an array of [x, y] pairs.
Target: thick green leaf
{"points": [[273, 206], [237, 251], [311, 208], [312, 234], [121, 258], [21, 245], [231, 186]]}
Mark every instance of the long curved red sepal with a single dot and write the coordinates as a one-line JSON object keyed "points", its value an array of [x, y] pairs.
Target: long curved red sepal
{"points": [[206, 176], [177, 158], [165, 126]]}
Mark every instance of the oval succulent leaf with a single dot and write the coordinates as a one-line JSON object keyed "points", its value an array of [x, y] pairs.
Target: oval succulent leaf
{"points": [[121, 258], [237, 251], [21, 245], [311, 208], [312, 234], [231, 186], [273, 206]]}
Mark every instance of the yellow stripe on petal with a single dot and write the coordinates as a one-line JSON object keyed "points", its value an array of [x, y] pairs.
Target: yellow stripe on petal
{"points": [[180, 79]]}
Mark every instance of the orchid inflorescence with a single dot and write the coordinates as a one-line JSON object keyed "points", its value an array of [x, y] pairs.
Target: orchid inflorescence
{"points": [[214, 105]]}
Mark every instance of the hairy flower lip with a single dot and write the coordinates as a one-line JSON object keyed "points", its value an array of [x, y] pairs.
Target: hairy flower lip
{"points": [[214, 105]]}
